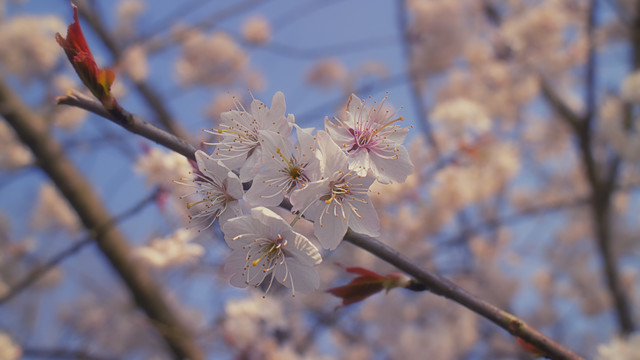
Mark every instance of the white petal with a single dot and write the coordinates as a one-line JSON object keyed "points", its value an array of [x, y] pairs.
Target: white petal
{"points": [[354, 105], [305, 278], [238, 226], [396, 136], [367, 223], [233, 185], [306, 145], [264, 193], [274, 224], [234, 266], [234, 163], [302, 198], [304, 251], [305, 152], [359, 162], [387, 170], [339, 134], [210, 166], [330, 229], [270, 142], [232, 211], [201, 157], [277, 111], [251, 166], [332, 159]]}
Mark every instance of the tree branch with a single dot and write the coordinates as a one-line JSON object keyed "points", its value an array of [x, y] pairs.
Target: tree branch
{"points": [[38, 273], [76, 189], [601, 188], [130, 122], [444, 287], [149, 95]]}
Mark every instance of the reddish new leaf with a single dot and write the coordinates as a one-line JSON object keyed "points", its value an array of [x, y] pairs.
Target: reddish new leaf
{"points": [[80, 56], [367, 284]]}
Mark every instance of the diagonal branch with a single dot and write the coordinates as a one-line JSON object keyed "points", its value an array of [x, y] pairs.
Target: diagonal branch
{"points": [[81, 196], [559, 105], [131, 122], [444, 287]]}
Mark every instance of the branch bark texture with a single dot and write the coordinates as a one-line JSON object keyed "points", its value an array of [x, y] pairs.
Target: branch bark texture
{"points": [[81, 196]]}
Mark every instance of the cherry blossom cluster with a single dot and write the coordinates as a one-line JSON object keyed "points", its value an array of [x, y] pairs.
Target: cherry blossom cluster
{"points": [[325, 175]]}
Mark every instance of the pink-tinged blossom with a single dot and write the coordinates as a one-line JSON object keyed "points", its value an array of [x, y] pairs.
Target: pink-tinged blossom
{"points": [[285, 171], [217, 190], [242, 133], [264, 244], [372, 140], [338, 201]]}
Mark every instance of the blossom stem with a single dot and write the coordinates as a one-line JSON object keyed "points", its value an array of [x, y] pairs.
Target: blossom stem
{"points": [[295, 220]]}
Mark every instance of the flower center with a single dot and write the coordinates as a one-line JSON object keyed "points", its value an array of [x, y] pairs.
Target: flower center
{"points": [[338, 190], [271, 251], [294, 170], [363, 136], [214, 195]]}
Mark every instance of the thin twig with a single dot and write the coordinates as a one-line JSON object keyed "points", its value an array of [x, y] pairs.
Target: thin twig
{"points": [[156, 45], [147, 293], [130, 122], [38, 273], [602, 183]]}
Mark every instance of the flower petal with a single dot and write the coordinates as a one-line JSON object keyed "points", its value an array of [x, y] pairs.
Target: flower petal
{"points": [[232, 211], [392, 169], [265, 190], [305, 278], [330, 229], [367, 223], [302, 198], [359, 161], [332, 159]]}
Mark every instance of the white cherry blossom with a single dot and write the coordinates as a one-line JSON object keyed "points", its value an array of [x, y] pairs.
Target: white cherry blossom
{"points": [[175, 249], [338, 201], [217, 189], [284, 171], [264, 244], [372, 140], [242, 133]]}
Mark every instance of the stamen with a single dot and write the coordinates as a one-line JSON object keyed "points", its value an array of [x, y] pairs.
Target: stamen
{"points": [[387, 124], [189, 206], [256, 261], [221, 131], [284, 158]]}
